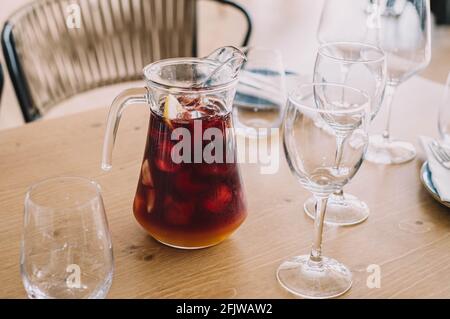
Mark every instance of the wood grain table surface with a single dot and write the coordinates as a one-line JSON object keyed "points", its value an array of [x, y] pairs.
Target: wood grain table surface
{"points": [[414, 261]]}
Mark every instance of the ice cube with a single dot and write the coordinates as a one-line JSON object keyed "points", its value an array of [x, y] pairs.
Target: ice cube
{"points": [[167, 166], [150, 197], [189, 115], [189, 101], [218, 200], [146, 174], [213, 169], [178, 213], [163, 160], [185, 183]]}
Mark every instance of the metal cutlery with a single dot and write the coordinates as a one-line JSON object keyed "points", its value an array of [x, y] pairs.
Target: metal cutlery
{"points": [[441, 154]]}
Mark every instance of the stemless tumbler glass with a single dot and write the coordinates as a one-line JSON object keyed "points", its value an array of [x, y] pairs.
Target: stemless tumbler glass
{"points": [[66, 249], [316, 115]]}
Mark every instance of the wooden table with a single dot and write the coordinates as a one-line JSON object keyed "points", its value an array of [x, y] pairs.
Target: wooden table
{"points": [[412, 264]]}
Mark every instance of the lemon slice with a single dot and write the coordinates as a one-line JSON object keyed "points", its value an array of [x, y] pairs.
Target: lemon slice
{"points": [[172, 107]]}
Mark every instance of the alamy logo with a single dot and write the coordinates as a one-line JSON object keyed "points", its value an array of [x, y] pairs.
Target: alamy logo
{"points": [[221, 147], [73, 19], [374, 279], [74, 278]]}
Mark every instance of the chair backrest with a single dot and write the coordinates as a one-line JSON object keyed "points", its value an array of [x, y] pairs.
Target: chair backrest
{"points": [[1, 82], [55, 49]]}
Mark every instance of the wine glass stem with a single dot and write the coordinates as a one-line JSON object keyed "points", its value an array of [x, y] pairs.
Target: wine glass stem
{"points": [[373, 23], [337, 162], [389, 96], [316, 250]]}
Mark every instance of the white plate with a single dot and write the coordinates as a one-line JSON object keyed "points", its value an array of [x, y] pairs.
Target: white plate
{"points": [[425, 177]]}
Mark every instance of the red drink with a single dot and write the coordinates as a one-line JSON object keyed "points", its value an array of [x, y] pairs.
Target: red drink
{"points": [[189, 205]]}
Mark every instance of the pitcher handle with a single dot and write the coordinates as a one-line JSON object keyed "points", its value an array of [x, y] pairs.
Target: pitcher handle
{"points": [[124, 99]]}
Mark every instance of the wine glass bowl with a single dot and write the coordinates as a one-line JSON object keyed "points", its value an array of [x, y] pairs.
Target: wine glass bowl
{"points": [[316, 114], [66, 249], [404, 36], [336, 26], [356, 64], [310, 132]]}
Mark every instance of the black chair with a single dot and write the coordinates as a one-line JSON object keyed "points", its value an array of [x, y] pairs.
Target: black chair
{"points": [[441, 10], [49, 62], [1, 81]]}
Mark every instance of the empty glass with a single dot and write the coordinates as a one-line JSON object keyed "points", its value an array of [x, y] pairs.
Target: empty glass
{"points": [[316, 115], [349, 20], [261, 92], [66, 249], [401, 28], [444, 115], [361, 66], [404, 36]]}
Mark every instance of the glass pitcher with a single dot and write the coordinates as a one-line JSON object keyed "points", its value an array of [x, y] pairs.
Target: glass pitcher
{"points": [[189, 193]]}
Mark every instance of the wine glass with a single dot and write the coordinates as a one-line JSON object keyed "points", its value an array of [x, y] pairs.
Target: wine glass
{"points": [[66, 249], [404, 36], [349, 21], [362, 66], [261, 92], [316, 115]]}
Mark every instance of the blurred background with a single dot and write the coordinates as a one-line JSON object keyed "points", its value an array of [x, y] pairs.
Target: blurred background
{"points": [[287, 25]]}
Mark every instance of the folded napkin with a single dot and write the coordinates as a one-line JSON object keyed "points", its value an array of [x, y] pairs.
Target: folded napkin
{"points": [[440, 176]]}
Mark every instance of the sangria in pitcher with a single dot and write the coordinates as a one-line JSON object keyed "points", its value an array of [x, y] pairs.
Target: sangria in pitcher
{"points": [[189, 193]]}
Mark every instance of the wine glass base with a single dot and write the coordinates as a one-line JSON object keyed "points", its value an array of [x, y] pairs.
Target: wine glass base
{"points": [[305, 278], [341, 211], [381, 151]]}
